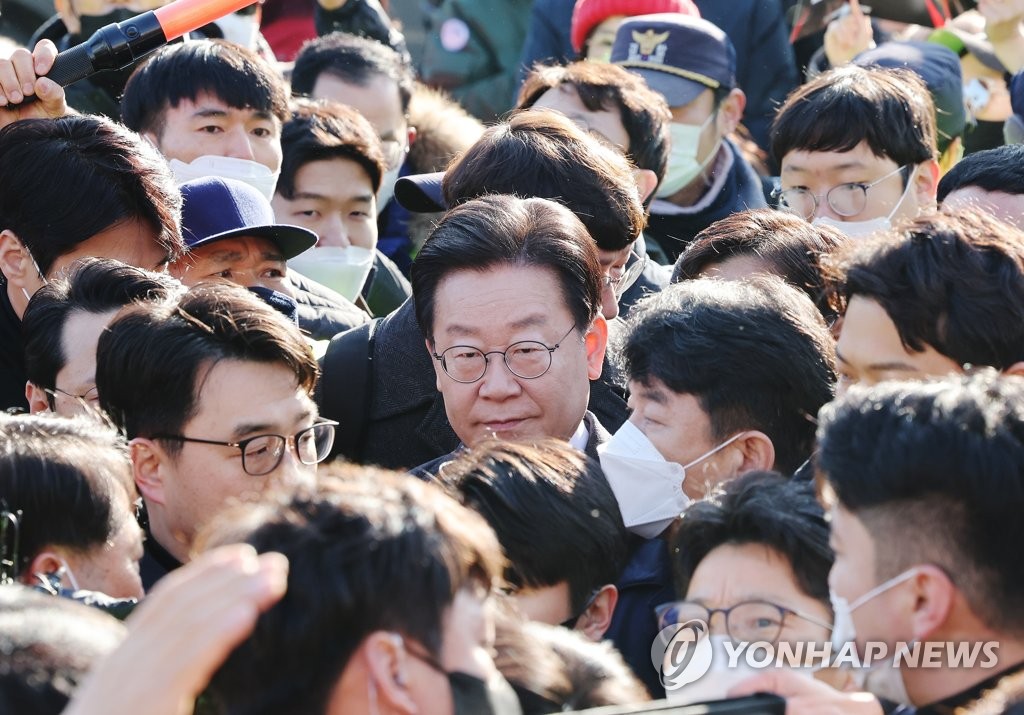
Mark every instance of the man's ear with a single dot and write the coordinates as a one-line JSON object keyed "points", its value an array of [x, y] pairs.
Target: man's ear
{"points": [[646, 182], [1016, 368], [387, 671], [730, 111], [926, 184], [46, 561], [935, 597], [149, 465], [38, 399], [412, 134], [756, 452], [596, 620], [596, 342], [20, 270]]}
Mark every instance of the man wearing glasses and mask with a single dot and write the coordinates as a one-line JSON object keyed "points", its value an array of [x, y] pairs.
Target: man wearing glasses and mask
{"points": [[857, 148], [213, 392]]}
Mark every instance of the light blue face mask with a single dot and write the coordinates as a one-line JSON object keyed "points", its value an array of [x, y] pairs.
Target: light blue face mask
{"points": [[683, 166]]}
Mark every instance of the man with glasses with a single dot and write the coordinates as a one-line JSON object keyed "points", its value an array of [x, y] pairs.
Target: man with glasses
{"points": [[213, 392], [753, 564], [616, 106], [857, 149], [507, 293], [927, 551], [386, 395], [64, 321], [378, 83], [725, 378]]}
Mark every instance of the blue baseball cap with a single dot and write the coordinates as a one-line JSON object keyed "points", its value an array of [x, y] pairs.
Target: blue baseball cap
{"points": [[215, 209], [678, 55], [421, 193]]}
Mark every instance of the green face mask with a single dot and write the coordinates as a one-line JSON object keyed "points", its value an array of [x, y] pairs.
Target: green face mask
{"points": [[683, 166]]}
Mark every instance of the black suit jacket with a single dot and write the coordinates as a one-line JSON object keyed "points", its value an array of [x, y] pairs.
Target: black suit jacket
{"points": [[407, 424]]}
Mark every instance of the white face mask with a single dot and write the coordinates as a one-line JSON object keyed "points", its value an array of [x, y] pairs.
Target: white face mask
{"points": [[861, 229], [253, 173], [648, 488], [240, 29], [683, 166], [881, 679], [387, 187], [54, 581], [341, 269]]}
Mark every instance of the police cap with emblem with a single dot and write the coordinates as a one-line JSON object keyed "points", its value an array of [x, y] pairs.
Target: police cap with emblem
{"points": [[677, 55]]}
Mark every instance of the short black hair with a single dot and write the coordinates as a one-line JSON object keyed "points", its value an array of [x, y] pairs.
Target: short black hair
{"points": [[324, 130], [64, 475], [49, 645], [954, 282], [368, 550], [602, 86], [544, 154], [182, 71], [999, 169], [755, 354], [504, 230], [116, 175], [352, 59], [762, 508], [93, 285], [890, 109], [787, 245], [151, 359], [553, 511], [937, 468]]}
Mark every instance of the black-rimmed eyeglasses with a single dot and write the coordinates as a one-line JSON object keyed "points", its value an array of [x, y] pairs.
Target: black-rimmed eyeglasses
{"points": [[261, 454], [528, 359], [747, 621]]}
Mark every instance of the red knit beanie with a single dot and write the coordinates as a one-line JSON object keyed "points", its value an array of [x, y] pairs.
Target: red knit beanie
{"points": [[588, 14]]}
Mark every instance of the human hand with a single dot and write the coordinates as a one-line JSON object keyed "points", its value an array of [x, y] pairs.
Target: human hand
{"points": [[806, 696], [997, 12], [182, 632], [21, 75], [849, 35]]}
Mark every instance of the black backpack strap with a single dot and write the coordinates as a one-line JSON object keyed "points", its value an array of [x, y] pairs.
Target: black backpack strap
{"points": [[345, 389]]}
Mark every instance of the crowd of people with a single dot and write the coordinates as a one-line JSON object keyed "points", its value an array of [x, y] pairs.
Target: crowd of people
{"points": [[370, 358]]}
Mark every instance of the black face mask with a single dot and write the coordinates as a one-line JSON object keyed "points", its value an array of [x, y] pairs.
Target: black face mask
{"points": [[112, 81], [92, 23], [284, 304], [984, 135], [472, 696]]}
